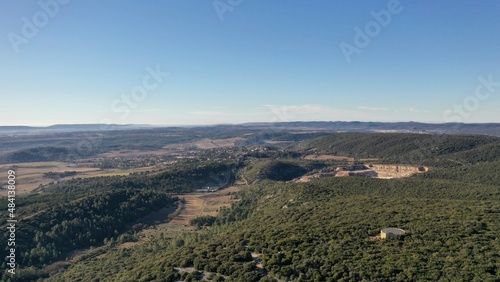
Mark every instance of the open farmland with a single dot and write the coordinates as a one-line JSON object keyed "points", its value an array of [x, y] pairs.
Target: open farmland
{"points": [[31, 175], [206, 143]]}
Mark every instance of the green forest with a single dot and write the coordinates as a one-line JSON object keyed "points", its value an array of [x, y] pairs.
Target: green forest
{"points": [[278, 230], [418, 149], [320, 231]]}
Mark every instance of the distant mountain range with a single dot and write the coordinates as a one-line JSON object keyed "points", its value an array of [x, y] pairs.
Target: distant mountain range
{"points": [[414, 127], [57, 128], [355, 126]]}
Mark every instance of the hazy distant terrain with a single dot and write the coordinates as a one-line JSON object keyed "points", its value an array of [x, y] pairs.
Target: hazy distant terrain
{"points": [[91, 139], [471, 128]]}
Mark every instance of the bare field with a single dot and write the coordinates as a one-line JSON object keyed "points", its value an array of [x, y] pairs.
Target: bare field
{"points": [[203, 204], [29, 176], [337, 158], [206, 144], [132, 153], [328, 157], [199, 204], [217, 143], [115, 172]]}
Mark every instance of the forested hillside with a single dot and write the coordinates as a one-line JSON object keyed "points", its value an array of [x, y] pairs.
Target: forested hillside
{"points": [[485, 173], [39, 154], [81, 213], [278, 230], [52, 233], [183, 178], [325, 230], [322, 231], [418, 149], [279, 169]]}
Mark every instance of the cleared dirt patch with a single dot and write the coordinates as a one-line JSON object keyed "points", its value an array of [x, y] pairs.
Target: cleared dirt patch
{"points": [[337, 158], [194, 205], [206, 144], [328, 157], [190, 209], [202, 204], [217, 143], [132, 153]]}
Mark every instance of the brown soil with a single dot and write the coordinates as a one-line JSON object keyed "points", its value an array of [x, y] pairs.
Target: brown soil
{"points": [[328, 157], [206, 144], [199, 204], [29, 176], [217, 143]]}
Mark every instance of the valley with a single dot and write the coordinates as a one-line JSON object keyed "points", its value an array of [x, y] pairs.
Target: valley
{"points": [[245, 205]]}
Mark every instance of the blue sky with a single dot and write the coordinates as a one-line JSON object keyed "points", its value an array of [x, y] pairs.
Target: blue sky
{"points": [[234, 61]]}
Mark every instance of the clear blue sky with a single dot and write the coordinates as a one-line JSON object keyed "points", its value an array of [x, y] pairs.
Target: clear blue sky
{"points": [[258, 60]]}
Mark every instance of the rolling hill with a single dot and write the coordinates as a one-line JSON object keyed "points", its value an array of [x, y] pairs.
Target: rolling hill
{"points": [[277, 230]]}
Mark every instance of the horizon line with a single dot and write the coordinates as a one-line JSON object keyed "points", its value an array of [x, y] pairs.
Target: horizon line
{"points": [[242, 123]]}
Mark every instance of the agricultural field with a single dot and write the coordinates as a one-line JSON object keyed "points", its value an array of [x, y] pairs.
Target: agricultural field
{"points": [[31, 175], [190, 207]]}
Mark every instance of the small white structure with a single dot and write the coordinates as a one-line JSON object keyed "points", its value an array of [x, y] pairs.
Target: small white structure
{"points": [[391, 233]]}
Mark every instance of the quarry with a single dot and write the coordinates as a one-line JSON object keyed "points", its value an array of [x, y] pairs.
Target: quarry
{"points": [[384, 171]]}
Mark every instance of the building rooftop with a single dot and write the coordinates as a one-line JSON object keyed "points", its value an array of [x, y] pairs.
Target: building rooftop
{"points": [[395, 231]]}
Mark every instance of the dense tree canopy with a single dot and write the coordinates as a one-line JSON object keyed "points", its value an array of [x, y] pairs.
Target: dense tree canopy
{"points": [[322, 231]]}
